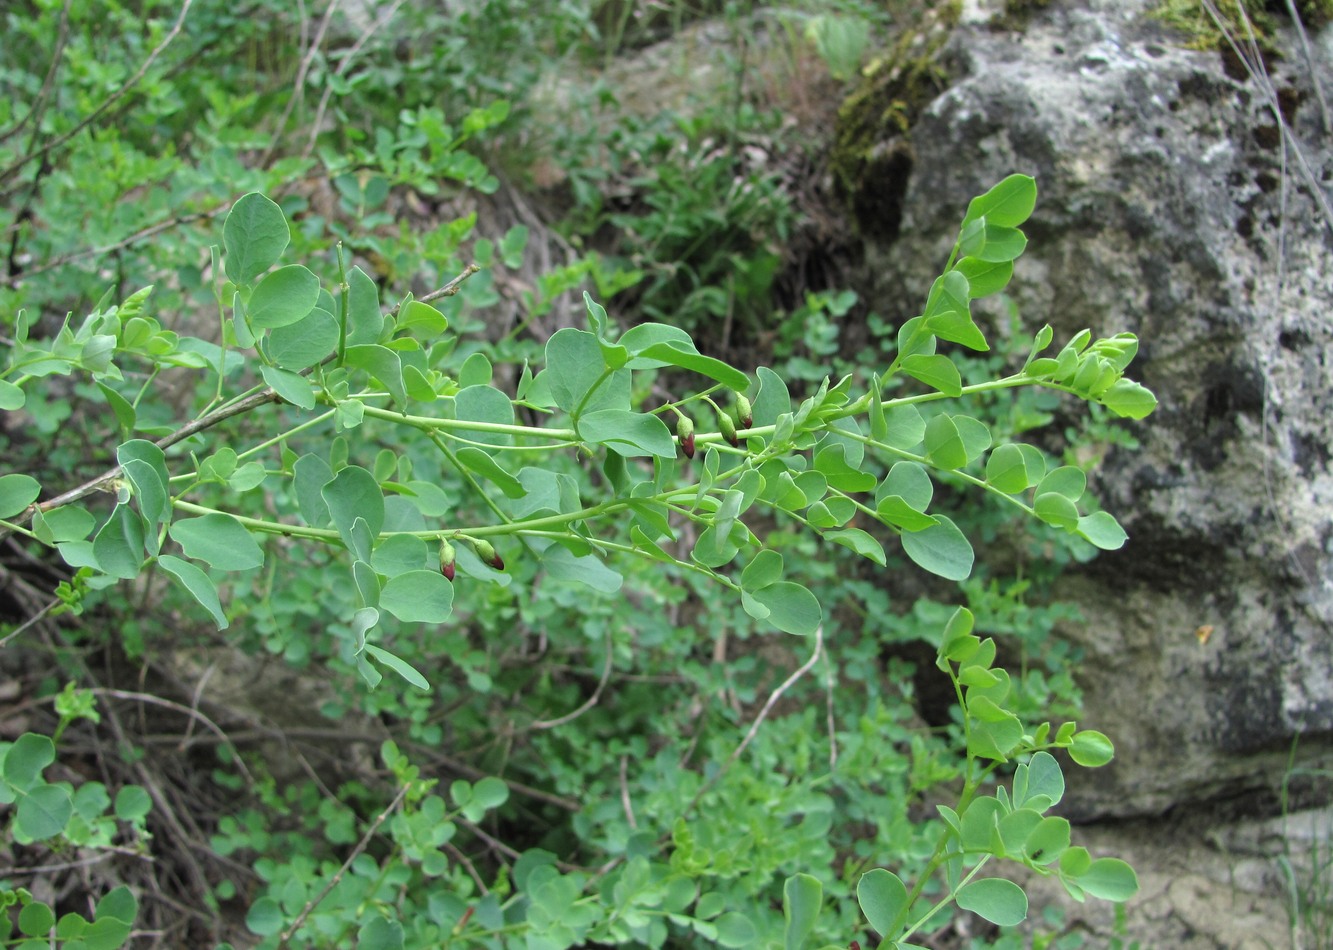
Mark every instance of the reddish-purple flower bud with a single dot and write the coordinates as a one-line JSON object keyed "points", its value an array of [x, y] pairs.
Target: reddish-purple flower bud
{"points": [[727, 427], [744, 412], [486, 551], [447, 566], [685, 432]]}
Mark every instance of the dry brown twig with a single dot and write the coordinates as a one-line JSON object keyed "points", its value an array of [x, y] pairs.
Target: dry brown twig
{"points": [[360, 848]]}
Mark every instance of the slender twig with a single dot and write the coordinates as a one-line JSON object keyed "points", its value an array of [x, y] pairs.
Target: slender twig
{"points": [[591, 701], [348, 58], [39, 104], [111, 100], [772, 700], [624, 792], [34, 619], [298, 84], [828, 714], [1309, 64], [194, 714], [240, 407], [468, 866], [361, 846], [120, 245]]}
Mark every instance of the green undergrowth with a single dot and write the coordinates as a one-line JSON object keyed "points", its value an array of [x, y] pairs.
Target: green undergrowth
{"points": [[379, 608]]}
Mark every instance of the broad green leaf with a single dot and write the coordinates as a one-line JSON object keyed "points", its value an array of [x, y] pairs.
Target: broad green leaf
{"points": [[304, 343], [1002, 244], [26, 758], [1109, 879], [975, 435], [985, 277], [944, 445], [792, 608], [398, 665], [906, 427], [957, 327], [118, 904], [1066, 480], [734, 929], [1091, 749], [43, 812], [483, 464], [66, 523], [383, 364], [146, 467], [860, 542], [764, 568], [1043, 783], [1129, 399], [17, 492], [476, 371], [937, 372], [119, 545], [220, 540], [484, 403], [676, 354], [979, 825], [199, 584], [11, 397], [897, 511], [1015, 828], [1075, 861], [132, 803], [1048, 841], [1056, 510], [309, 476], [283, 297], [365, 322], [830, 461], [1000, 901], [802, 900], [883, 899], [421, 321], [353, 493], [713, 549], [562, 564], [292, 387], [941, 549], [490, 793], [1008, 204], [994, 738], [640, 337], [36, 920], [400, 553], [265, 917], [125, 412], [574, 366], [628, 433], [1006, 470], [254, 236], [1102, 530], [772, 400], [418, 597]]}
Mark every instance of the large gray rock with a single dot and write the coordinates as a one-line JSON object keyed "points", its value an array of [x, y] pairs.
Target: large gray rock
{"points": [[1170, 207]]}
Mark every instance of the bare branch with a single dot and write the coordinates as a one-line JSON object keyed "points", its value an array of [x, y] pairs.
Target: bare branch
{"points": [[338, 876]]}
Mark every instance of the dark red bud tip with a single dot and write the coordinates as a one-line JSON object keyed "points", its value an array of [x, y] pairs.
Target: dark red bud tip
{"points": [[685, 432], [486, 551], [854, 945], [744, 412], [448, 571], [728, 428]]}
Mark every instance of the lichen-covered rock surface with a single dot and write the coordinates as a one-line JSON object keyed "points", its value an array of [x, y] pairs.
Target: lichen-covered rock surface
{"points": [[1171, 204]]}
